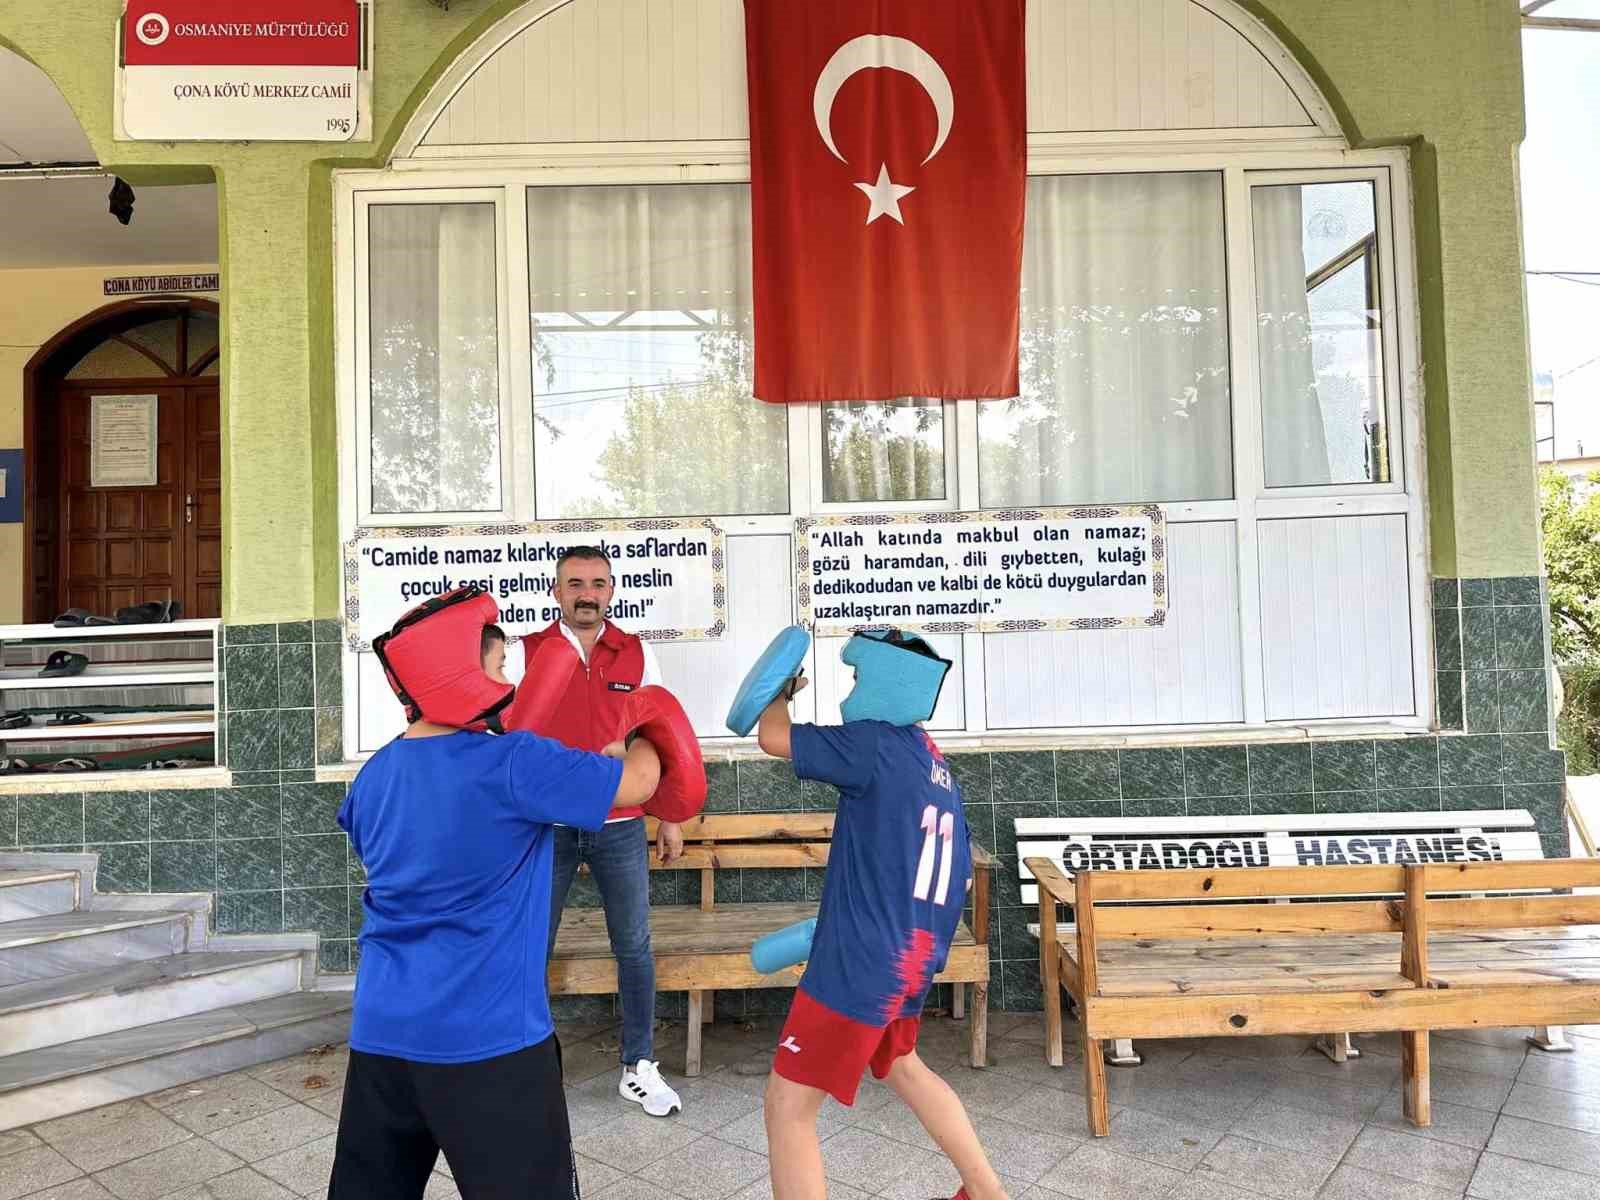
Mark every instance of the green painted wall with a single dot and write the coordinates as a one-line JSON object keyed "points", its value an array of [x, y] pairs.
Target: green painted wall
{"points": [[1442, 76]]}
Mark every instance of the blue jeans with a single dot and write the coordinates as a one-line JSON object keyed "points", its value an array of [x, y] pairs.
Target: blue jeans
{"points": [[618, 858]]}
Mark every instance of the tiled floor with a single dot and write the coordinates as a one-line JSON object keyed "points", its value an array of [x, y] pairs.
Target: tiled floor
{"points": [[1199, 1121]]}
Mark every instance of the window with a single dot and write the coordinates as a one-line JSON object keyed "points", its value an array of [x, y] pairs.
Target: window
{"points": [[1124, 347], [1224, 333], [640, 315], [1320, 334], [433, 345]]}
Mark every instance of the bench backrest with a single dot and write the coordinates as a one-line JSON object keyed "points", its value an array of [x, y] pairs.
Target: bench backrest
{"points": [[1300, 842], [715, 841], [1157, 904]]}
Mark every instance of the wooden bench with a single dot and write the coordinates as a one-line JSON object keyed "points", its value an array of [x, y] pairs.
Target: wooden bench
{"points": [[1331, 839], [1192, 953], [705, 949]]}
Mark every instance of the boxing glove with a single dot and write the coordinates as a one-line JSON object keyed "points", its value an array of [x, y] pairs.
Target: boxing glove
{"points": [[544, 685], [654, 714]]}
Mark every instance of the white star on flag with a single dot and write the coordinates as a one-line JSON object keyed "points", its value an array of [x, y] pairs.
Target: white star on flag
{"points": [[885, 196]]}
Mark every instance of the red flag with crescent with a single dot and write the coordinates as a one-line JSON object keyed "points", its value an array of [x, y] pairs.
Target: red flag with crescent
{"points": [[888, 167]]}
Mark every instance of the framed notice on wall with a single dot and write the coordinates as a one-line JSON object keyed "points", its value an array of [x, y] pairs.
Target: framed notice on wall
{"points": [[122, 441], [1005, 571]]}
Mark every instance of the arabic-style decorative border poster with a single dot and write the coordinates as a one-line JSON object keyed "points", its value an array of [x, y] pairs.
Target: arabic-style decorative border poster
{"points": [[670, 574], [1004, 571]]}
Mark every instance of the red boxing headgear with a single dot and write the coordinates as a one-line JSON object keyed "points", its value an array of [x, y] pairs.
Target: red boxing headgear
{"points": [[433, 658]]}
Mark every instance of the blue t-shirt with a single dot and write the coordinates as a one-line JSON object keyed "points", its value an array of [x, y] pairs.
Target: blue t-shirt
{"points": [[454, 832], [897, 871]]}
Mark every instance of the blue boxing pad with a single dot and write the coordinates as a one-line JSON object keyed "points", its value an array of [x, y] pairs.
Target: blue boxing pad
{"points": [[779, 663], [784, 948]]}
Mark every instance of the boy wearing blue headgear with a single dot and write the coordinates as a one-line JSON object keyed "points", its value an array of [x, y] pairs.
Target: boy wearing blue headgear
{"points": [[897, 876]]}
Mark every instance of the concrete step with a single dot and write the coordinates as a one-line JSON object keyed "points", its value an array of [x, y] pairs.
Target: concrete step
{"points": [[72, 942], [38, 1085], [68, 1008], [36, 893]]}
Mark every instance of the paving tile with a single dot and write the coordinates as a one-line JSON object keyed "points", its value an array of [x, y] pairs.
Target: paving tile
{"points": [[211, 1104], [169, 1170], [1578, 1071], [1469, 1088], [985, 1091], [1051, 1111], [708, 1105], [1194, 1187], [30, 1171], [633, 1141], [1295, 1128], [243, 1184], [78, 1189], [1455, 1123], [750, 1131], [708, 1169], [14, 1140], [274, 1132], [1502, 1178], [864, 1160], [762, 1190], [1504, 1061], [1552, 1145], [104, 1137], [307, 1075], [899, 1124], [593, 1175], [304, 1169], [1092, 1172], [1341, 1097], [1353, 1183], [1019, 1153], [440, 1187], [1172, 1143], [1421, 1160], [1286, 1174], [1554, 1107], [1024, 1061]]}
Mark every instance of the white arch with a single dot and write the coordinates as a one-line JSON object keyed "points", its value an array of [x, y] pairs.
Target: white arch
{"points": [[1216, 67]]}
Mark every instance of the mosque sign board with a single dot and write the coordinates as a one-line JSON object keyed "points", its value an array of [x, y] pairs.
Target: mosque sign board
{"points": [[1004, 571], [244, 70], [671, 575]]}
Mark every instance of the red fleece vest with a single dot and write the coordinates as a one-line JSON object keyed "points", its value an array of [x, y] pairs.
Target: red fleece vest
{"points": [[587, 718]]}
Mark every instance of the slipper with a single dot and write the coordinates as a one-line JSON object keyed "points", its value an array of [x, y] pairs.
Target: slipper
{"points": [[73, 764], [153, 612], [63, 662], [94, 619], [71, 718], [15, 766], [72, 618], [16, 721]]}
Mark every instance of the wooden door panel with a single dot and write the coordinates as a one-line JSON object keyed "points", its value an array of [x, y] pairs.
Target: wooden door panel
{"points": [[122, 559], [83, 559], [203, 504], [158, 558], [123, 512], [83, 512]]}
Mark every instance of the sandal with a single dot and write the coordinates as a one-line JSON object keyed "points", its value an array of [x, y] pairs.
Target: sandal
{"points": [[154, 612], [16, 721], [63, 662], [73, 764], [71, 718], [15, 766]]}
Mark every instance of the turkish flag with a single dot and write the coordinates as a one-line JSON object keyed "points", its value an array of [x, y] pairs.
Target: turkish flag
{"points": [[888, 168]]}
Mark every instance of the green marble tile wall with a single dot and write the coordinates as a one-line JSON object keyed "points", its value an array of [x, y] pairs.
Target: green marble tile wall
{"points": [[270, 849]]}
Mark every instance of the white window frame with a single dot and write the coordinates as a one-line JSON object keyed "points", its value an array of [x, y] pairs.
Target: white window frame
{"points": [[360, 283], [1241, 165]]}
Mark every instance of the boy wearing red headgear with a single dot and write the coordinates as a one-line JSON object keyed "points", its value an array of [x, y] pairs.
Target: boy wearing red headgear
{"points": [[452, 1046]]}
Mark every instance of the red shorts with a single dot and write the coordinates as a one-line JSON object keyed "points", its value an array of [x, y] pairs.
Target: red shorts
{"points": [[828, 1051]]}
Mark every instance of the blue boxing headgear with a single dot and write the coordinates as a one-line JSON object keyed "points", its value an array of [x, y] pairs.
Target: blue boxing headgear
{"points": [[898, 677]]}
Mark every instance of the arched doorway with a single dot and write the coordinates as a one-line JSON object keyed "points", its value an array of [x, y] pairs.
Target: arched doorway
{"points": [[133, 382]]}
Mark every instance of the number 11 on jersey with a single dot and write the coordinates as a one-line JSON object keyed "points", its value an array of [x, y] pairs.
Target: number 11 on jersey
{"points": [[944, 825]]}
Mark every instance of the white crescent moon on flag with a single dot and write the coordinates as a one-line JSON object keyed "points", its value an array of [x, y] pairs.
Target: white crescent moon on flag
{"points": [[897, 54]]}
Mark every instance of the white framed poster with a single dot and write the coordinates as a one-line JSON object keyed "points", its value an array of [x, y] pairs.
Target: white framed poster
{"points": [[670, 573], [122, 441], [1002, 571]]}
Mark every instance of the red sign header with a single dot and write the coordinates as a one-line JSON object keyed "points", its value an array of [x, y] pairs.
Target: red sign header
{"points": [[290, 33]]}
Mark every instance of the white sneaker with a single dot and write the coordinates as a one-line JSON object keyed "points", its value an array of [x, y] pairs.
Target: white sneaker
{"points": [[642, 1083]]}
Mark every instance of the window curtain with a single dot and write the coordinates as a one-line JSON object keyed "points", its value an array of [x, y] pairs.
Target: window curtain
{"points": [[1125, 389], [640, 299], [1294, 440], [435, 364], [890, 450]]}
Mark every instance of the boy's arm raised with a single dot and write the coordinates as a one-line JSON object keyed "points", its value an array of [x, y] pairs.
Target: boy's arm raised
{"points": [[772, 733]]}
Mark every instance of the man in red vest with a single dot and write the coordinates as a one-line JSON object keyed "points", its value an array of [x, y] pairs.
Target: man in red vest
{"points": [[615, 663]]}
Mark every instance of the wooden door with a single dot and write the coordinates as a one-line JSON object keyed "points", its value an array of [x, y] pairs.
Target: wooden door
{"points": [[129, 545], [202, 505]]}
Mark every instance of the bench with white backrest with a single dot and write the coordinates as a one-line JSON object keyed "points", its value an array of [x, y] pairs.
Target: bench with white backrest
{"points": [[1276, 840]]}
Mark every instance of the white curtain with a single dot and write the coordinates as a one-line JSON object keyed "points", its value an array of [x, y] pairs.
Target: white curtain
{"points": [[641, 305], [1294, 441], [435, 377], [1124, 347], [890, 450]]}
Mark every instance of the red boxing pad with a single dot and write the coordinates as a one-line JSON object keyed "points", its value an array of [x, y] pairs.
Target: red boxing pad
{"points": [[655, 715], [545, 680]]}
